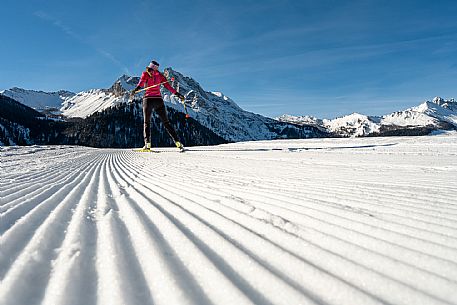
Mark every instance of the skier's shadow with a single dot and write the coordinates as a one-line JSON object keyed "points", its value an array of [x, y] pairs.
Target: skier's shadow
{"points": [[293, 149]]}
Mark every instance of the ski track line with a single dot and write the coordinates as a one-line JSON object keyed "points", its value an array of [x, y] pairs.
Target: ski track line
{"points": [[360, 226], [108, 226], [235, 279], [35, 177], [434, 236], [342, 215], [413, 222], [44, 191], [443, 282], [227, 260], [380, 196], [73, 279], [222, 234], [364, 182], [38, 176], [18, 235], [15, 192], [332, 205], [36, 187], [407, 204], [389, 249], [373, 193], [168, 196], [36, 159], [318, 191], [21, 283], [284, 276], [96, 235], [377, 209], [179, 288], [331, 241], [400, 211], [121, 280], [12, 215], [450, 233], [403, 188], [373, 243]]}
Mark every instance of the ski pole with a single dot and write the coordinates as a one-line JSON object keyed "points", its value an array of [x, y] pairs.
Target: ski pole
{"points": [[184, 102], [185, 109], [144, 89]]}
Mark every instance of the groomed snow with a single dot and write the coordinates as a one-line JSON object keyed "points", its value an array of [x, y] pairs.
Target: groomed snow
{"points": [[321, 221]]}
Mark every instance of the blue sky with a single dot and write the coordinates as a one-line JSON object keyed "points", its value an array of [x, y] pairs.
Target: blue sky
{"points": [[324, 58]]}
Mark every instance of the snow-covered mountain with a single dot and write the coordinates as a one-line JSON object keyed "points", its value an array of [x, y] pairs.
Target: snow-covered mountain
{"points": [[89, 102], [106, 118], [354, 124], [38, 100], [71, 104], [302, 120], [224, 117], [86, 103], [213, 110], [437, 114], [118, 126]]}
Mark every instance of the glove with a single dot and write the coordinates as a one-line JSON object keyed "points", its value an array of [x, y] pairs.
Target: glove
{"points": [[132, 93], [180, 96]]}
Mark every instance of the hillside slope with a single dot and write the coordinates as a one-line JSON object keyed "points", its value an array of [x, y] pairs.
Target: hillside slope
{"points": [[38, 100]]}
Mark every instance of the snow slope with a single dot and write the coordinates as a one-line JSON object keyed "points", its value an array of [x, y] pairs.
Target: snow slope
{"points": [[89, 102], [427, 113], [86, 103], [322, 221], [38, 100]]}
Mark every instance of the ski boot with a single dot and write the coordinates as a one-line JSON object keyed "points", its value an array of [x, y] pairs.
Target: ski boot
{"points": [[180, 146], [146, 148]]}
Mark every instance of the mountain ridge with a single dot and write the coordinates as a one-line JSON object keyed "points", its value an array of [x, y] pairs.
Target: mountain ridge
{"points": [[37, 99], [106, 118], [214, 110], [224, 117], [436, 114]]}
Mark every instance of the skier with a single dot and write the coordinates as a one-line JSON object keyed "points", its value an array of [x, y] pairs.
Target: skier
{"points": [[153, 100]]}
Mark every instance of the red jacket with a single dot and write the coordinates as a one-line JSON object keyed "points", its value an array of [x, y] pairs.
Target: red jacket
{"points": [[153, 78]]}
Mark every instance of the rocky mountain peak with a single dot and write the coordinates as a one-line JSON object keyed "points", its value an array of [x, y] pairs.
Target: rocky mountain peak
{"points": [[448, 104], [123, 84]]}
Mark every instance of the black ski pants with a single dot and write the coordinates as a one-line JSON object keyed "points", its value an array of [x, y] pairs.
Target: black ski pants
{"points": [[158, 105]]}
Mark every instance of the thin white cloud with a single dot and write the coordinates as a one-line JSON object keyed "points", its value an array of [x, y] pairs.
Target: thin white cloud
{"points": [[57, 23], [113, 59]]}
